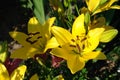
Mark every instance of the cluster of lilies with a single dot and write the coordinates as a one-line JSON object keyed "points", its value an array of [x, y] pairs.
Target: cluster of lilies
{"points": [[76, 46]]}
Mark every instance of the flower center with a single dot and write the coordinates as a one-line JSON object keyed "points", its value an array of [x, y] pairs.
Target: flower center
{"points": [[79, 44]]}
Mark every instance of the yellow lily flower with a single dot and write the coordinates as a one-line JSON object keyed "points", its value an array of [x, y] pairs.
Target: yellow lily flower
{"points": [[17, 74], [77, 47], [35, 41], [97, 6]]}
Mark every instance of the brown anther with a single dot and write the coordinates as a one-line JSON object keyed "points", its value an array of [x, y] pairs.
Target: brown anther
{"points": [[34, 33], [72, 40], [77, 37], [72, 45], [31, 35], [39, 37], [31, 42], [83, 39], [78, 47]]}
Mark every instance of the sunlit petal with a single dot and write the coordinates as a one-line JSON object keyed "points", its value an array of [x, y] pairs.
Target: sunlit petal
{"points": [[115, 7], [3, 72], [94, 55], [34, 25], [75, 63], [20, 37], [92, 4], [93, 39], [62, 35], [52, 43], [24, 52], [78, 28], [47, 27], [61, 52], [105, 6], [18, 74]]}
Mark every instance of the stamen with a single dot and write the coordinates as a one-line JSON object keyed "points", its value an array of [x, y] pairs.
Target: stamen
{"points": [[77, 37], [83, 39], [72, 40], [30, 37], [72, 45], [34, 33], [31, 42], [39, 37], [83, 46], [78, 47]]}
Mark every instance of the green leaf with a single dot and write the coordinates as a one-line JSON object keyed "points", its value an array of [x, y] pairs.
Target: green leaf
{"points": [[38, 9]]}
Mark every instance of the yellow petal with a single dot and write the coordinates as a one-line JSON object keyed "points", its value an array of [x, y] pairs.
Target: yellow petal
{"points": [[18, 74], [75, 63], [108, 35], [34, 25], [98, 55], [34, 77], [59, 77], [115, 7], [105, 6], [92, 4], [20, 37], [47, 27], [52, 43], [93, 39], [61, 52], [24, 52], [78, 28], [3, 73], [62, 35]]}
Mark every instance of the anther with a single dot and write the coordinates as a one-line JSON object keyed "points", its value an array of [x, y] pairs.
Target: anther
{"points": [[72, 45]]}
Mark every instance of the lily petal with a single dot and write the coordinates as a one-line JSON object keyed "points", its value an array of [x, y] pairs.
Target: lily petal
{"points": [[93, 39], [52, 43], [115, 7], [92, 4], [62, 35], [105, 6], [61, 52], [75, 63], [78, 28], [18, 74], [98, 55], [47, 27], [3, 73], [34, 25], [24, 52], [20, 37]]}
